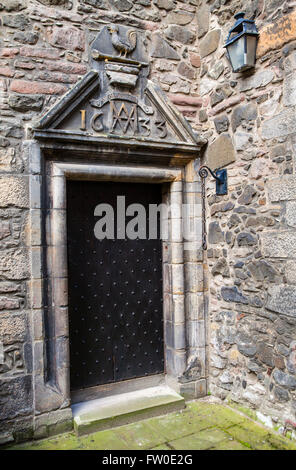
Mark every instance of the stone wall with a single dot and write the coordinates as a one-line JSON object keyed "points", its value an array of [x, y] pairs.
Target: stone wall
{"points": [[251, 232], [249, 121]]}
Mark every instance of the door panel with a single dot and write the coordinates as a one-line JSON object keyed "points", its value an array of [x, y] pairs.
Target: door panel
{"points": [[115, 290]]}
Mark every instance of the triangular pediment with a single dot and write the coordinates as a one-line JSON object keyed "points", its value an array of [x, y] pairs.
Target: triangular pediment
{"points": [[86, 112], [116, 101]]}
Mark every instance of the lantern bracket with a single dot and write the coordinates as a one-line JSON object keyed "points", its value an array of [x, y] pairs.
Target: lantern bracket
{"points": [[241, 27], [220, 177]]}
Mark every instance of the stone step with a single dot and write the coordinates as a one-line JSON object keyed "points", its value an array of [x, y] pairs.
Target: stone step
{"points": [[108, 412]]}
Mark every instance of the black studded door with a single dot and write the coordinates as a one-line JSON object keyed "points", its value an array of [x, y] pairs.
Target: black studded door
{"points": [[115, 285]]}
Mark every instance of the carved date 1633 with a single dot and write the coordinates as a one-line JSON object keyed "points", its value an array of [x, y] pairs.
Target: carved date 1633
{"points": [[124, 120]]}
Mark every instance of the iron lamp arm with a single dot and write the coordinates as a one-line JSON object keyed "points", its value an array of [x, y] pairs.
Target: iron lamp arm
{"points": [[203, 173]]}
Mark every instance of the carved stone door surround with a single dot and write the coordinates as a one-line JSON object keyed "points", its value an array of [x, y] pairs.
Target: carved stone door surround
{"points": [[114, 127]]}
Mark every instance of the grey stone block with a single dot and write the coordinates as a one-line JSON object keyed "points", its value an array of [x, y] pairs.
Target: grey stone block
{"points": [[35, 191], [178, 313], [193, 252], [58, 192], [192, 230], [285, 380], [161, 48], [46, 397], [200, 388], [194, 304], [13, 328], [14, 190], [259, 79], [169, 361], [179, 362], [168, 307], [56, 227], [35, 229], [193, 188], [16, 397], [176, 186], [176, 253], [279, 244], [180, 34], [57, 261], [290, 272], [291, 213], [176, 198], [289, 95], [196, 364], [221, 152], [179, 336], [177, 284], [210, 42], [36, 262], [175, 335], [15, 264], [193, 277], [282, 299], [166, 252], [55, 422], [6, 437], [62, 321], [36, 293], [176, 230], [187, 390], [282, 188], [167, 278], [215, 234], [192, 204], [280, 125], [38, 357], [243, 113], [34, 156], [195, 332], [60, 291], [38, 325]]}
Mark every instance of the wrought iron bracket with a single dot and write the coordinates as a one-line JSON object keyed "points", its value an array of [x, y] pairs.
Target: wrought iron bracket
{"points": [[220, 177], [221, 189]]}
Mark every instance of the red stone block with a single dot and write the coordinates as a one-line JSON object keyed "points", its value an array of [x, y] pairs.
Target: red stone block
{"points": [[9, 52], [6, 71], [65, 67], [27, 51], [67, 37], [195, 60], [182, 100], [232, 101], [24, 65], [23, 86]]}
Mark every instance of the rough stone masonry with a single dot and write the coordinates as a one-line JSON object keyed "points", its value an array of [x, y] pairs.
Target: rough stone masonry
{"points": [[249, 120]]}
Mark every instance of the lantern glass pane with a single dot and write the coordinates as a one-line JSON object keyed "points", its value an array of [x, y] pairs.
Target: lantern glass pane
{"points": [[251, 50], [236, 51]]}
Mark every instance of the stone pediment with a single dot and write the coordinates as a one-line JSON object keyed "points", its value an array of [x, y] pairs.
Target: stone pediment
{"points": [[116, 102]]}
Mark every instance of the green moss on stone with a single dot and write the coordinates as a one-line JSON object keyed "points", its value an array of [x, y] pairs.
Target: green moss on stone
{"points": [[201, 425]]}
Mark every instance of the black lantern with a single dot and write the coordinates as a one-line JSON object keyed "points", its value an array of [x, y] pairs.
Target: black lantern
{"points": [[241, 44]]}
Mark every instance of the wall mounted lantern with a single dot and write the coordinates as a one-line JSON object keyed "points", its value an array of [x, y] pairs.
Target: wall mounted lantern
{"points": [[241, 44]]}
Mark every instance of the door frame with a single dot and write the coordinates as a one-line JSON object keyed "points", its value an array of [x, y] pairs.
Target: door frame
{"points": [[144, 379], [184, 299]]}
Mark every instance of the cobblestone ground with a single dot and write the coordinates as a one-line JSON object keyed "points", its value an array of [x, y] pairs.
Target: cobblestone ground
{"points": [[200, 426]]}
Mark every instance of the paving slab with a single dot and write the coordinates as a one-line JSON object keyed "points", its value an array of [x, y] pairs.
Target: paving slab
{"points": [[184, 423], [201, 441]]}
